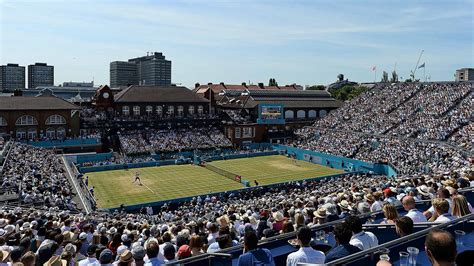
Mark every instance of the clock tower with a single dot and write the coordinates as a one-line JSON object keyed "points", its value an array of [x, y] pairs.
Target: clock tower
{"points": [[103, 97]]}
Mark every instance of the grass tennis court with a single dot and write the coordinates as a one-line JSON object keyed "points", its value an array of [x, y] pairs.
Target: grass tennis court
{"points": [[115, 187], [274, 169]]}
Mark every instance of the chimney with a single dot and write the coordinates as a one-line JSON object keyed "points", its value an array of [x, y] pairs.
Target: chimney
{"points": [[260, 84], [210, 83], [197, 85], [244, 84], [222, 83]]}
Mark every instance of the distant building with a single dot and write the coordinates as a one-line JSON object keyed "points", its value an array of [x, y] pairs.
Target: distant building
{"points": [[73, 84], [465, 74], [12, 77], [149, 70], [123, 74], [40, 74]]}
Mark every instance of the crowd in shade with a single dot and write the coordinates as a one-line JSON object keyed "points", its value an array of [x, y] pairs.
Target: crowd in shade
{"points": [[166, 140], [2, 144], [39, 176]]}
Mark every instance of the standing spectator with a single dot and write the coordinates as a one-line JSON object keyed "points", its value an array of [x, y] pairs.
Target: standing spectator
{"points": [[440, 247], [254, 255], [410, 206], [343, 235], [361, 239], [306, 253]]}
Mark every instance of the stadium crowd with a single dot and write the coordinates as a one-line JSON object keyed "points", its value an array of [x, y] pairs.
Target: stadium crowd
{"points": [[139, 142], [39, 175]]}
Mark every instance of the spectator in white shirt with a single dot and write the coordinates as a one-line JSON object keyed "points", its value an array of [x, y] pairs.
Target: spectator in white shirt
{"points": [[442, 214], [409, 205], [361, 239], [306, 253], [442, 194], [91, 258]]}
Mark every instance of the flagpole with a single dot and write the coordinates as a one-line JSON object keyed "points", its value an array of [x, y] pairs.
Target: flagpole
{"points": [[424, 72]]}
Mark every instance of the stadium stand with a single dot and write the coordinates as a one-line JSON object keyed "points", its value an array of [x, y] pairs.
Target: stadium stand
{"points": [[397, 124]]}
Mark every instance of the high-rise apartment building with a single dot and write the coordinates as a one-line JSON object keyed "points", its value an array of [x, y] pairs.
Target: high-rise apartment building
{"points": [[12, 77], [40, 74], [152, 69]]}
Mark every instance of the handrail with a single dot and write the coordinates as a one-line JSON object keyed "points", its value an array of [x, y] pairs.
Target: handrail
{"points": [[400, 240]]}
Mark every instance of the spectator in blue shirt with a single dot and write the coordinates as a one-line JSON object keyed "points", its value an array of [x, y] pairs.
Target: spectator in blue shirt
{"points": [[254, 255], [343, 235]]}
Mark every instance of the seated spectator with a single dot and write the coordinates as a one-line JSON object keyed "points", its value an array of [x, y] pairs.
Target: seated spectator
{"points": [[91, 257], [138, 253], [460, 206], [343, 235], [442, 193], [361, 239], [152, 251], [403, 226], [196, 245], [440, 247], [169, 253], [410, 206], [183, 252], [390, 213], [306, 253], [254, 255], [442, 214]]}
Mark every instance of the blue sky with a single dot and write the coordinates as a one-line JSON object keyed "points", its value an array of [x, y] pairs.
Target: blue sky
{"points": [[303, 42]]}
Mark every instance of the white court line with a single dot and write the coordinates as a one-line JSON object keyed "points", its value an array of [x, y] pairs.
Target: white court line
{"points": [[149, 188]]}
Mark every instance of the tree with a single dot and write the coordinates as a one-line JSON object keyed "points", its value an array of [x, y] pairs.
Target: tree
{"points": [[272, 82], [384, 77], [316, 88], [348, 92], [394, 78]]}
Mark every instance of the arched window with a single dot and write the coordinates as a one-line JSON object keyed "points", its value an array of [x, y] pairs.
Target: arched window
{"points": [[322, 113], [55, 120], [191, 109], [50, 133], [60, 132], [149, 110], [301, 114], [289, 114], [3, 122], [26, 120], [312, 114], [136, 110], [180, 110], [125, 110]]}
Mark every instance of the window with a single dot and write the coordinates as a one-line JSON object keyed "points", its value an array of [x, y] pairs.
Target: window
{"points": [[50, 133], [247, 133], [32, 133], [26, 120], [21, 134], [180, 110], [237, 132], [322, 113], [149, 110], [200, 109], [3, 122], [191, 109], [289, 114], [171, 110], [301, 114], [312, 114], [55, 120], [136, 110], [60, 132], [159, 111], [126, 110]]}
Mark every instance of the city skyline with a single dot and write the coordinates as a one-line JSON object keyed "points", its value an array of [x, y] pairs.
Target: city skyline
{"points": [[304, 42]]}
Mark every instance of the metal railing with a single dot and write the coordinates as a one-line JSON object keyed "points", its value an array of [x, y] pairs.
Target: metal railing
{"points": [[402, 240]]}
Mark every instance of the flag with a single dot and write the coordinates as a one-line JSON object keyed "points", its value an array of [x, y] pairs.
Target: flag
{"points": [[374, 68], [423, 65]]}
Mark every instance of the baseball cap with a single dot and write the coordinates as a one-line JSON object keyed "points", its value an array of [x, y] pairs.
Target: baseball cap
{"points": [[82, 236]]}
